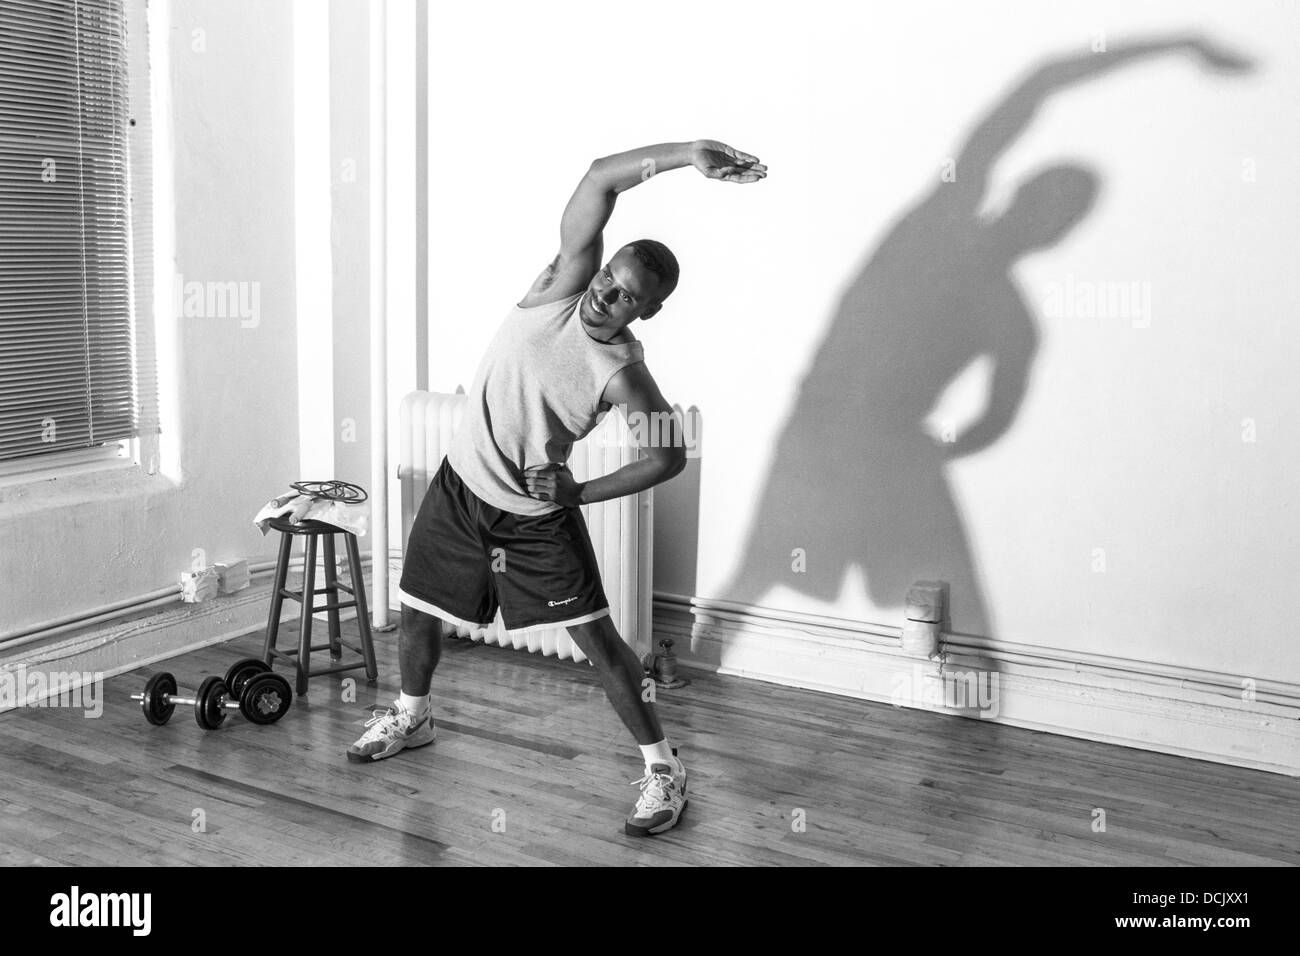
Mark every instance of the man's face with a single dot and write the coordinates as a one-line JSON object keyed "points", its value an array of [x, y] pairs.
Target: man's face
{"points": [[621, 292]]}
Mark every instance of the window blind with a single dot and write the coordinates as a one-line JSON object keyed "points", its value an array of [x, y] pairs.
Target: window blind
{"points": [[66, 347]]}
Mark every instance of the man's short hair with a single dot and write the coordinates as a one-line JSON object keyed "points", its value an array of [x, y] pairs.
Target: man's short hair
{"points": [[659, 259]]}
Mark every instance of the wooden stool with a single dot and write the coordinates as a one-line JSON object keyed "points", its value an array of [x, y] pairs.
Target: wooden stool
{"points": [[301, 656]]}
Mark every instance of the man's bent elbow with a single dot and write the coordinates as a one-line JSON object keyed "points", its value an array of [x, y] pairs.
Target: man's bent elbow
{"points": [[674, 464], [598, 171]]}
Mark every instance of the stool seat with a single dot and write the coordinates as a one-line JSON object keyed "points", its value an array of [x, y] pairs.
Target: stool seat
{"points": [[300, 657], [285, 526]]}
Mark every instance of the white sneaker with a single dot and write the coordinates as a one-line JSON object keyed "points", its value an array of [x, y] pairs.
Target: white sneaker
{"points": [[390, 731], [663, 797]]}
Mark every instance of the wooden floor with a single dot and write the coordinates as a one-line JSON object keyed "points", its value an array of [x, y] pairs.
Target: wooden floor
{"points": [[530, 743]]}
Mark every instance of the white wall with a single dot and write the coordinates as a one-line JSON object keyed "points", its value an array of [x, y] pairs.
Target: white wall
{"points": [[1129, 435]]}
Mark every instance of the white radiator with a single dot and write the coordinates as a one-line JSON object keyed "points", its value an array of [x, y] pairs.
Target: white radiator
{"points": [[620, 530]]}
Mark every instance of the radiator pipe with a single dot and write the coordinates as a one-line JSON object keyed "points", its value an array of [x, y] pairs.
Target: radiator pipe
{"points": [[41, 632], [378, 310]]}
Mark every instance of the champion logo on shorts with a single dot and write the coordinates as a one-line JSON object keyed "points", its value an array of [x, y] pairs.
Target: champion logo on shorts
{"points": [[559, 603]]}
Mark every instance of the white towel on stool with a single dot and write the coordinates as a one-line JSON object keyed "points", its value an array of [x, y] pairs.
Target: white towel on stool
{"points": [[349, 516]]}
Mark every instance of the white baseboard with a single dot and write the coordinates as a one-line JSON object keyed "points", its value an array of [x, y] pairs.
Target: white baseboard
{"points": [[139, 631], [113, 648], [1225, 718], [133, 641]]}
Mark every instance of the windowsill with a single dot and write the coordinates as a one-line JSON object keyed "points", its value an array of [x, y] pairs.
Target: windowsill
{"points": [[50, 485], [59, 465]]}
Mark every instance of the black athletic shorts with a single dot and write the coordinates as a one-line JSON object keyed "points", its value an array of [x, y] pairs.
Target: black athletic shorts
{"points": [[465, 559]]}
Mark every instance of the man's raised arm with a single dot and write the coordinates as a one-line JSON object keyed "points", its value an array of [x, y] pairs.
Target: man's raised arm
{"points": [[592, 203], [1004, 125]]}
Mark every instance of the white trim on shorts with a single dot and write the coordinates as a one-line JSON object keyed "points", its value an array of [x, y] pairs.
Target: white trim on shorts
{"points": [[593, 616], [427, 608]]}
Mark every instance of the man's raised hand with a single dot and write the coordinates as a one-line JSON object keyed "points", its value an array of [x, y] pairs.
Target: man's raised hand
{"points": [[1221, 59], [719, 161]]}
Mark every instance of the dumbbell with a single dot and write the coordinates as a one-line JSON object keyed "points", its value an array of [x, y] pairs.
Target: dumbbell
{"points": [[263, 697], [239, 673]]}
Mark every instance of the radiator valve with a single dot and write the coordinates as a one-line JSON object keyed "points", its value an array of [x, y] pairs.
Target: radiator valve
{"points": [[663, 667]]}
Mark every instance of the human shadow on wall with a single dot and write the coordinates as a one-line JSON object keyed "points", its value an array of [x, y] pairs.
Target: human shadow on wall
{"points": [[856, 479]]}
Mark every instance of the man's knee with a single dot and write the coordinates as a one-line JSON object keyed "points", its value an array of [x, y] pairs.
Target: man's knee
{"points": [[419, 625], [598, 639], [599, 629]]}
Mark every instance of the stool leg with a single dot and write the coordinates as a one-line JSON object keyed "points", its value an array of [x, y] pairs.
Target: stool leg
{"points": [[363, 610], [277, 598], [332, 592], [304, 621]]}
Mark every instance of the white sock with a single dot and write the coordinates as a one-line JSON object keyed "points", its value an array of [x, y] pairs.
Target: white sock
{"points": [[659, 753], [415, 706]]}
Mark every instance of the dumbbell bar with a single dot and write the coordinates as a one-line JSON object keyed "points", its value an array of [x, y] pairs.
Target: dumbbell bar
{"points": [[236, 677], [264, 697]]}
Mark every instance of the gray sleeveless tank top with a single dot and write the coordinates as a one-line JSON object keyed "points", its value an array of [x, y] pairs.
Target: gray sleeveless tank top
{"points": [[536, 392]]}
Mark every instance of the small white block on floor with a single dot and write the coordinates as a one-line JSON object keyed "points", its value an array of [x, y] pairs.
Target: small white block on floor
{"points": [[198, 586], [232, 577]]}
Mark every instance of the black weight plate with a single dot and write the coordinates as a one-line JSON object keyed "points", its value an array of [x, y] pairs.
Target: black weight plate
{"points": [[266, 699], [208, 712], [157, 710], [241, 671]]}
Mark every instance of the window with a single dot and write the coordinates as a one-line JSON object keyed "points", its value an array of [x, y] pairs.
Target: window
{"points": [[67, 370]]}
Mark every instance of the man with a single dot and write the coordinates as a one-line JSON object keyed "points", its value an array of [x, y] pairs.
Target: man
{"points": [[499, 526]]}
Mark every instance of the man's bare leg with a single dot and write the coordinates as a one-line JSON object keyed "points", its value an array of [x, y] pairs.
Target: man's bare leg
{"points": [[621, 675], [663, 789], [419, 648], [409, 724]]}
